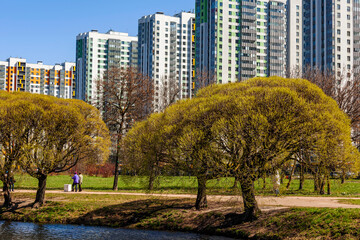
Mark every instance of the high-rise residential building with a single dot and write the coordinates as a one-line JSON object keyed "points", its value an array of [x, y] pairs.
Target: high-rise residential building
{"points": [[97, 52], [324, 34], [295, 35], [56, 80], [167, 53], [237, 40], [356, 35]]}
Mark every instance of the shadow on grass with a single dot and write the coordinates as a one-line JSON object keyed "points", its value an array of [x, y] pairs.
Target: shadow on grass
{"points": [[130, 213], [16, 207], [171, 215]]}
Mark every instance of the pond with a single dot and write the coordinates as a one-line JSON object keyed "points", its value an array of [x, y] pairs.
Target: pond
{"points": [[31, 231]]}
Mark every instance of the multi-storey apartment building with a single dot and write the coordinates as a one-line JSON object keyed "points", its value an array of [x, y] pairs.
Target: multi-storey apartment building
{"points": [[241, 39], [56, 80], [324, 34], [97, 52], [295, 35], [167, 53], [356, 35]]}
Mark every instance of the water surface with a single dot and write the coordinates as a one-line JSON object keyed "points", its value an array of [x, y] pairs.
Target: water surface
{"points": [[32, 231]]}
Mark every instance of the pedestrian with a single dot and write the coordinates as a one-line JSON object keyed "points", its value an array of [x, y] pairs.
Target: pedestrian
{"points": [[12, 183], [75, 182], [81, 177]]}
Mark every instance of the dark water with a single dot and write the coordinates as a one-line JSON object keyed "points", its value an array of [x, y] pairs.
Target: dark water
{"points": [[31, 231]]}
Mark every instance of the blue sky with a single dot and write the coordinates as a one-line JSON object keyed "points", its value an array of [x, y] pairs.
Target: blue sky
{"points": [[46, 29]]}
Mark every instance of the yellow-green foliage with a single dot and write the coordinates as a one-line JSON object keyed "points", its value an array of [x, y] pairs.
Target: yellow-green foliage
{"points": [[249, 127], [45, 134], [262, 120]]}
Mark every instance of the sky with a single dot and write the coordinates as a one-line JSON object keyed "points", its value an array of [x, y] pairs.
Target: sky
{"points": [[46, 30]]}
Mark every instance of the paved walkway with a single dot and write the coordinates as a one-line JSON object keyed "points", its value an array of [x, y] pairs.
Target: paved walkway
{"points": [[263, 201]]}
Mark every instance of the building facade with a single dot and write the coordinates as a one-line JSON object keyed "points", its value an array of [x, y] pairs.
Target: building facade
{"points": [[325, 34], [55, 80], [167, 54], [97, 52], [295, 35], [356, 35], [238, 40]]}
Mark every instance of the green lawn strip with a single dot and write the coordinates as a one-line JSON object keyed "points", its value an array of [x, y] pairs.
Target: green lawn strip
{"points": [[160, 213], [350, 201], [184, 184], [316, 222]]}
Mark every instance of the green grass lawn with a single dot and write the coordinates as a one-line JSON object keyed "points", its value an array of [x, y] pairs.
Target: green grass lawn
{"points": [[185, 185], [316, 223]]}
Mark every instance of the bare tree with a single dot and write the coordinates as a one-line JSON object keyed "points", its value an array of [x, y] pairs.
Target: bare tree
{"points": [[168, 93], [124, 96], [203, 79]]}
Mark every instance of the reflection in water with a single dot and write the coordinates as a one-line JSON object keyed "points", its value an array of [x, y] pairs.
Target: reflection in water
{"points": [[31, 231]]}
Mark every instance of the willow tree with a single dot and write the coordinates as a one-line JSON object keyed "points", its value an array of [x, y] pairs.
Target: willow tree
{"points": [[266, 121], [343, 87], [16, 115], [145, 146], [191, 142], [181, 139], [64, 133]]}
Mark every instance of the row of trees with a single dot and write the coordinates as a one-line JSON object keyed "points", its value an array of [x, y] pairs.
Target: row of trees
{"points": [[243, 130], [43, 135]]}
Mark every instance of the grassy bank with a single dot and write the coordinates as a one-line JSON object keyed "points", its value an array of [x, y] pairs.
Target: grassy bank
{"points": [[178, 215], [186, 185]]}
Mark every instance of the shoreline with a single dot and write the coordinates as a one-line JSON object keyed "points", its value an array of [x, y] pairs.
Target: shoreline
{"points": [[164, 213]]}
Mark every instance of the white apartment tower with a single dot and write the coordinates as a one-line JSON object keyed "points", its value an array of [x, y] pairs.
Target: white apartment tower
{"points": [[295, 35], [97, 52], [167, 53]]}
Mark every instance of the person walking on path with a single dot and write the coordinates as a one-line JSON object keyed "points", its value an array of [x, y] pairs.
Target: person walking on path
{"points": [[12, 183], [75, 182], [81, 177]]}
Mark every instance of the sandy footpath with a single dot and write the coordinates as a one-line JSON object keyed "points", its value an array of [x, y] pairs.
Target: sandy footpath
{"points": [[263, 201]]}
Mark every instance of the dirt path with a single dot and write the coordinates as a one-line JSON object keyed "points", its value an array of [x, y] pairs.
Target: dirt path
{"points": [[264, 201]]}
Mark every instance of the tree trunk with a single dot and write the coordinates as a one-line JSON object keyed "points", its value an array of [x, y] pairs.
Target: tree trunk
{"points": [[201, 201], [321, 185], [236, 181], [151, 180], [343, 175], [290, 177], [251, 208], [282, 176], [7, 195], [117, 164], [328, 185], [316, 182], [264, 181], [40, 193], [302, 176]]}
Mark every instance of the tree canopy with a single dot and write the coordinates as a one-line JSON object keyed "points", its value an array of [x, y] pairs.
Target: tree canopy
{"points": [[50, 135], [243, 129]]}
